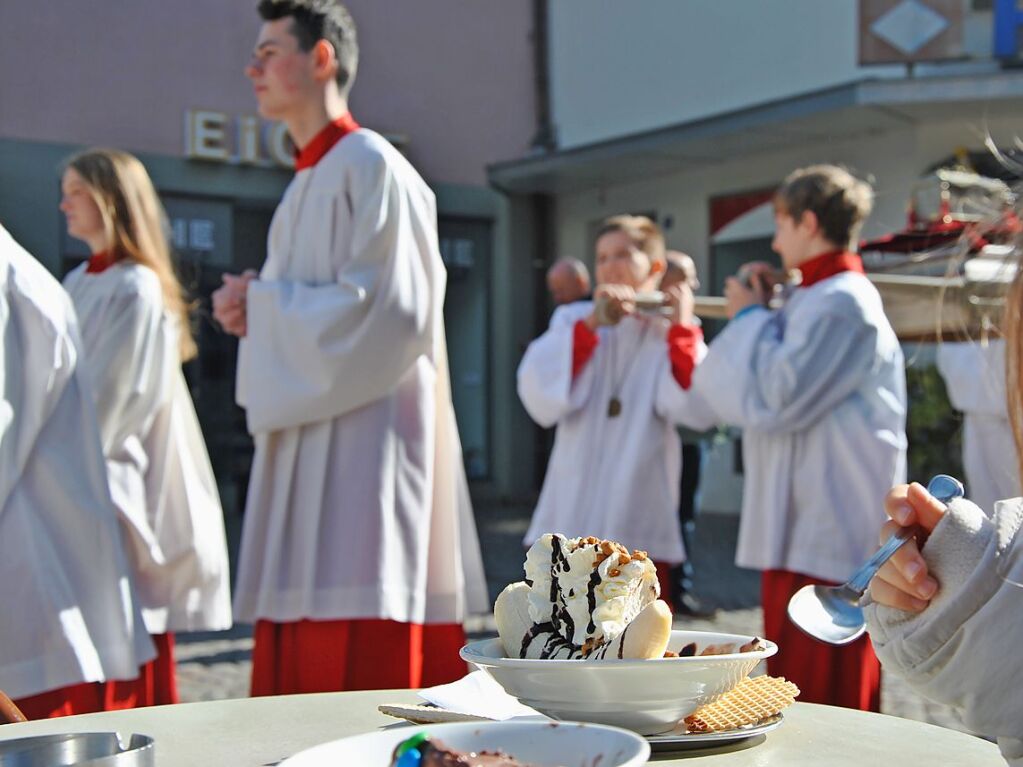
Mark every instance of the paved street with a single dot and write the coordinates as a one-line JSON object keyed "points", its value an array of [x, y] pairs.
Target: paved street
{"points": [[216, 665]]}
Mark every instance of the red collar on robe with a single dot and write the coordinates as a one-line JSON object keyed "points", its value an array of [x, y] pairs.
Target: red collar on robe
{"points": [[100, 262], [819, 268], [324, 141]]}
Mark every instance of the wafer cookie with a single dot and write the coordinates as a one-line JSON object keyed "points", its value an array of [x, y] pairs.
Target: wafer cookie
{"points": [[749, 702]]}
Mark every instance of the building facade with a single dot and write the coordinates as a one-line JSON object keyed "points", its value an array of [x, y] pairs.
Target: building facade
{"points": [[165, 81], [693, 112]]}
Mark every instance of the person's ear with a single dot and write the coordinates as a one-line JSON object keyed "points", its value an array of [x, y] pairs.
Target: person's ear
{"points": [[809, 222], [324, 60]]}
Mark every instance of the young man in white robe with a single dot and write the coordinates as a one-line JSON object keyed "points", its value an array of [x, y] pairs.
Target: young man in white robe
{"points": [[974, 375], [72, 640], [819, 389], [359, 555], [604, 373]]}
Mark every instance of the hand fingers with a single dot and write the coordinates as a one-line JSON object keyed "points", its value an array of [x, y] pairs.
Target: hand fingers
{"points": [[619, 292], [734, 287], [883, 592], [928, 509], [913, 505], [924, 589], [226, 303], [761, 288], [230, 316], [224, 297], [906, 567], [679, 293], [897, 507]]}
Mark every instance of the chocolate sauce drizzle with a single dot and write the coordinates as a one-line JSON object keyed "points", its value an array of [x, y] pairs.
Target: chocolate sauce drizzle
{"points": [[561, 624], [591, 598]]}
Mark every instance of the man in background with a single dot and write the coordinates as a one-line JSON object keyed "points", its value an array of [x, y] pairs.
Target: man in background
{"points": [[681, 269], [568, 281]]}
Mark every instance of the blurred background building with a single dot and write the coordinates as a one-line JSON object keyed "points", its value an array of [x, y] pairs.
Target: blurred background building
{"points": [[693, 112], [450, 82]]}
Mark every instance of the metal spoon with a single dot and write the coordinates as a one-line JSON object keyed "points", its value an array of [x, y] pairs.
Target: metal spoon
{"points": [[832, 614]]}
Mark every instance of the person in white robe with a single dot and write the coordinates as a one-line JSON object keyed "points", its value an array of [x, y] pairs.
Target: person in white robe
{"points": [[818, 387], [603, 374], [135, 334], [70, 622], [974, 375], [359, 557]]}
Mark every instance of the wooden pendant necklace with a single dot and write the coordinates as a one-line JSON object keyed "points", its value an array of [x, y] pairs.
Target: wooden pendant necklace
{"points": [[614, 405]]}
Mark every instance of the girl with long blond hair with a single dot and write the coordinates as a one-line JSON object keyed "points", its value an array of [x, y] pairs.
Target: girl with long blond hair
{"points": [[135, 330]]}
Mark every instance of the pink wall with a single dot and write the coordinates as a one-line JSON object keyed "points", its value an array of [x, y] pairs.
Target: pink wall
{"points": [[454, 76]]}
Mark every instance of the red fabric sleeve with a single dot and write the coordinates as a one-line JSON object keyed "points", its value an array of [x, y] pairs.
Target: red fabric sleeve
{"points": [[683, 341], [584, 343]]}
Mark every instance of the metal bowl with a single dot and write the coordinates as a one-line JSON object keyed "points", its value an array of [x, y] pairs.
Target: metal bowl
{"points": [[84, 749]]}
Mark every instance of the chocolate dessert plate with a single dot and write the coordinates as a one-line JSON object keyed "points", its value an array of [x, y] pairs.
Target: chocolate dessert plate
{"points": [[680, 740], [545, 743]]}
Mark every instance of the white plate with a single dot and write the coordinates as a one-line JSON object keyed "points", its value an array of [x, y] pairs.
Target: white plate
{"points": [[546, 744], [679, 740]]}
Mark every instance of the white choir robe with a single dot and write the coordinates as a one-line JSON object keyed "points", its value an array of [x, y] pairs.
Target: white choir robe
{"points": [[974, 376], [613, 478], [159, 468], [67, 607], [358, 506], [819, 390], [160, 474]]}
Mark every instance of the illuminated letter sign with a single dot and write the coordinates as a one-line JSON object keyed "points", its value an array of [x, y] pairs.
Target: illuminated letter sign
{"points": [[204, 135], [209, 135]]}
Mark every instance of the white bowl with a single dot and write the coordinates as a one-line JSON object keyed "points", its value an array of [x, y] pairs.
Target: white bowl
{"points": [[647, 696], [545, 744]]}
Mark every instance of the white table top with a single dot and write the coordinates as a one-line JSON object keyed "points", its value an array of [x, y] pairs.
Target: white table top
{"points": [[257, 732]]}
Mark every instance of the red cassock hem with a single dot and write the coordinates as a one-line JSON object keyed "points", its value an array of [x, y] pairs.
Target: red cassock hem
{"points": [[848, 676], [159, 675], [156, 685], [357, 654]]}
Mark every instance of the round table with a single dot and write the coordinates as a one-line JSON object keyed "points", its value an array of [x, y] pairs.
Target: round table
{"points": [[258, 732]]}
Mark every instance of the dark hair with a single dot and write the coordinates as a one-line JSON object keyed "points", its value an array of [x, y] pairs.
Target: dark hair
{"points": [[840, 201], [314, 20]]}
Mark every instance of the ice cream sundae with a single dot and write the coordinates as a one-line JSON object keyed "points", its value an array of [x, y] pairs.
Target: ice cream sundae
{"points": [[583, 598]]}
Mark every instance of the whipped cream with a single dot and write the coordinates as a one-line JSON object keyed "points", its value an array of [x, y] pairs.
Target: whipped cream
{"points": [[588, 590]]}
